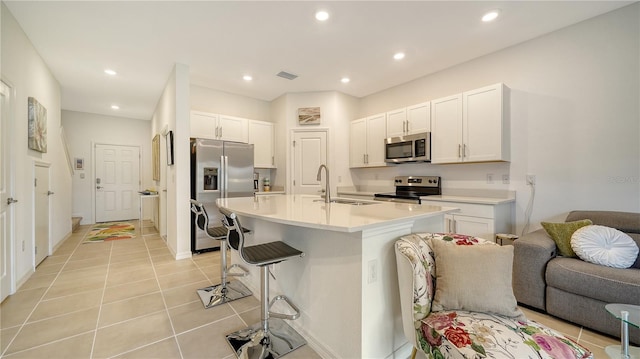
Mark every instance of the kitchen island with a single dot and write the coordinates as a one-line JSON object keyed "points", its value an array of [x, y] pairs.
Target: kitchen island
{"points": [[346, 285]]}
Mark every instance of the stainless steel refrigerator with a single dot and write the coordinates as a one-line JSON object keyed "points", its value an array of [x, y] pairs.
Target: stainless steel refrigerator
{"points": [[219, 169]]}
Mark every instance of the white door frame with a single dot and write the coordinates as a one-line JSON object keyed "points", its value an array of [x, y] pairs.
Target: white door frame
{"points": [[93, 172], [9, 165], [47, 165], [290, 149]]}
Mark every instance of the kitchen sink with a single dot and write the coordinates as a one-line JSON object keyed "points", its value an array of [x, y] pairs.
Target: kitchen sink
{"points": [[352, 202]]}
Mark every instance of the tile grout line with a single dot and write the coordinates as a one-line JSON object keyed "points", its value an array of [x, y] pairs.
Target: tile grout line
{"points": [[104, 290], [26, 320], [153, 267]]}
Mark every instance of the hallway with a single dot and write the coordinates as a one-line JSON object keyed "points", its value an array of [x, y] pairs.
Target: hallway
{"points": [[124, 298]]}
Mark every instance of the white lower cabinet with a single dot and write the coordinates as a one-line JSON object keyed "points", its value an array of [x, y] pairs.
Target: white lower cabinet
{"points": [[479, 220], [475, 226]]}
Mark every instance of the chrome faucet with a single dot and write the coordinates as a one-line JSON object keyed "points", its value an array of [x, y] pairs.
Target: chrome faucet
{"points": [[327, 189]]}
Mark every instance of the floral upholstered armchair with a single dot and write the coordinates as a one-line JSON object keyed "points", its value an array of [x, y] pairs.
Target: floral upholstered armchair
{"points": [[462, 312]]}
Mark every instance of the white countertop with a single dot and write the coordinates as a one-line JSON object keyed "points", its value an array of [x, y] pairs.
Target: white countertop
{"points": [[311, 212]]}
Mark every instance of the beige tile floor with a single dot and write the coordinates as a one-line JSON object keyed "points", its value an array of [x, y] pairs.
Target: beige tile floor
{"points": [[131, 299], [122, 299]]}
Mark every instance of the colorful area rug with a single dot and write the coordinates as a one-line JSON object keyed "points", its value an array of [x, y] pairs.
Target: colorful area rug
{"points": [[111, 232]]}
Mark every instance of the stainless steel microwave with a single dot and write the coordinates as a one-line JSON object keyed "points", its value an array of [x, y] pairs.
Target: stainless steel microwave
{"points": [[409, 148]]}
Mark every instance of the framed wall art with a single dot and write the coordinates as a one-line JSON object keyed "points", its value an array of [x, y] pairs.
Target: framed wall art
{"points": [[155, 157], [37, 116], [79, 163], [170, 148], [309, 116]]}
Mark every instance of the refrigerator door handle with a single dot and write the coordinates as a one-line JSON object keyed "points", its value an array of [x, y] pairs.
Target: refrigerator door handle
{"points": [[225, 176]]}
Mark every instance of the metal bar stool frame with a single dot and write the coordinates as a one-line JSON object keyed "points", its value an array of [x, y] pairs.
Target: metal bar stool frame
{"points": [[226, 291], [272, 337]]}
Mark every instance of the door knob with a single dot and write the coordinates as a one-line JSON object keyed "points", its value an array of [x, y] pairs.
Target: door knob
{"points": [[49, 193], [11, 200], [98, 187]]}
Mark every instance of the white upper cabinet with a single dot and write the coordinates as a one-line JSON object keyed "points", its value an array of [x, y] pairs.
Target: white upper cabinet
{"points": [[485, 118], [397, 122], [446, 129], [419, 118], [367, 137], [409, 120], [233, 129], [261, 135], [358, 143], [219, 127], [471, 126], [203, 125]]}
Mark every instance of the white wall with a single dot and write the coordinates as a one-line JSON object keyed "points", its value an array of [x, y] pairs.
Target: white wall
{"points": [[83, 131], [574, 118], [224, 103], [172, 112], [336, 112], [29, 76]]}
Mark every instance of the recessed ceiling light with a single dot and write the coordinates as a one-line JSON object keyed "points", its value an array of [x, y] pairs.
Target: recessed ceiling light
{"points": [[115, 107], [247, 77], [322, 15], [345, 80], [110, 72], [491, 15], [399, 56]]}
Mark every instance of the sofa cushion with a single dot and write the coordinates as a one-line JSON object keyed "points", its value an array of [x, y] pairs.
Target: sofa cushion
{"points": [[606, 284], [462, 334], [605, 246], [474, 278], [561, 234], [626, 222]]}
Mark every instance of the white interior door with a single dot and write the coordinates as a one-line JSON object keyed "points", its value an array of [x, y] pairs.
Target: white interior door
{"points": [[309, 152], [42, 213], [117, 182], [6, 180]]}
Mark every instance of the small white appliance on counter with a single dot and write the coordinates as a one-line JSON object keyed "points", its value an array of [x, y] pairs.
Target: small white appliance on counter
{"points": [[409, 189]]}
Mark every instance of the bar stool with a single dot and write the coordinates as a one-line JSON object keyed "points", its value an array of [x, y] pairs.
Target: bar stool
{"points": [[225, 291], [272, 337]]}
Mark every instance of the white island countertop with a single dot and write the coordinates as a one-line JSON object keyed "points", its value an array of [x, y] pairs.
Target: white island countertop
{"points": [[312, 212]]}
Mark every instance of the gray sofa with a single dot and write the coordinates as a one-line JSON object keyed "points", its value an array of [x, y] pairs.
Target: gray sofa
{"points": [[572, 289]]}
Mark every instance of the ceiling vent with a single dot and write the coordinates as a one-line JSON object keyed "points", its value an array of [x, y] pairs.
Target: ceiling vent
{"points": [[286, 75]]}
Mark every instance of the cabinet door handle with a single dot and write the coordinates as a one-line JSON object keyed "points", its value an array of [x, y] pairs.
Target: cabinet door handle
{"points": [[407, 123], [220, 131], [464, 150], [460, 150], [273, 161]]}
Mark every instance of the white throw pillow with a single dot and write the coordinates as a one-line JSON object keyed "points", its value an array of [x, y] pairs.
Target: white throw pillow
{"points": [[605, 246]]}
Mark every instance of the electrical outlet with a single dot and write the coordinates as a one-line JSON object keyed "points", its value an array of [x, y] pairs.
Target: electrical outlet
{"points": [[505, 179], [372, 273], [489, 178], [531, 180]]}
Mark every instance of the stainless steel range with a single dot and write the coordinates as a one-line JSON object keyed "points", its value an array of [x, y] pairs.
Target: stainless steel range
{"points": [[409, 189]]}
